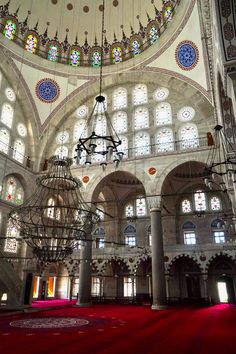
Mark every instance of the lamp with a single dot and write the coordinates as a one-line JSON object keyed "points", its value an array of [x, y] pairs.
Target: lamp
{"points": [[53, 229], [221, 161], [103, 139]]}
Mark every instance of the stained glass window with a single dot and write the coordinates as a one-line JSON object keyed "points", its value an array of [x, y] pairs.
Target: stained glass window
{"points": [[163, 114], [141, 207], [7, 115], [129, 210], [153, 34], [9, 29], [215, 203], [141, 118], [75, 56], [188, 136], [21, 129], [119, 121], [4, 140], [164, 140], [116, 55], [80, 129], [167, 13], [61, 152], [53, 52], [135, 47], [10, 94], [13, 191], [62, 137], [130, 235], [120, 98], [186, 206], [96, 58], [12, 234], [31, 43], [200, 201], [140, 94], [189, 237], [19, 150], [142, 143]]}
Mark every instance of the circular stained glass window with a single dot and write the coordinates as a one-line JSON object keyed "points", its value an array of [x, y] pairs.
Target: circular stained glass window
{"points": [[10, 94], [47, 90], [82, 111], [185, 114], [62, 137], [161, 94], [21, 129], [187, 55]]}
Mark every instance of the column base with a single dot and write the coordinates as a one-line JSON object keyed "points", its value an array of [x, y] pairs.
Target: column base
{"points": [[83, 304], [159, 307]]}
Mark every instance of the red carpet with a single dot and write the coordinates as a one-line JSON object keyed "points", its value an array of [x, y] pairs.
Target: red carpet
{"points": [[125, 329], [52, 303]]}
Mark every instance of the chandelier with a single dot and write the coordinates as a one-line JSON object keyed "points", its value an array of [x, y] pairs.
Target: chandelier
{"points": [[102, 138], [221, 161], [55, 218]]}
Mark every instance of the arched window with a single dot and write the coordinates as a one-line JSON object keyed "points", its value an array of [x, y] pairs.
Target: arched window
{"points": [[101, 125], [53, 51], [215, 203], [186, 206], [167, 12], [129, 210], [75, 56], [141, 208], [140, 94], [124, 146], [189, 233], [10, 29], [200, 200], [7, 115], [163, 114], [120, 98], [119, 121], [164, 140], [13, 191], [80, 129], [12, 234], [135, 46], [19, 150], [142, 143], [218, 230], [116, 54], [152, 32], [31, 43], [99, 235], [141, 118], [61, 152], [130, 235], [96, 57], [4, 140], [188, 135]]}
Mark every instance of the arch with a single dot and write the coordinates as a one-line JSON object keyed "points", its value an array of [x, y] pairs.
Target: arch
{"points": [[182, 257]]}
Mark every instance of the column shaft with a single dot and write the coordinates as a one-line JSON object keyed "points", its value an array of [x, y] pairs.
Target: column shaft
{"points": [[85, 276]]}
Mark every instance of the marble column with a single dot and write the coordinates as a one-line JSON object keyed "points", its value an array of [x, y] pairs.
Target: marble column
{"points": [[85, 274], [205, 278], [158, 269]]}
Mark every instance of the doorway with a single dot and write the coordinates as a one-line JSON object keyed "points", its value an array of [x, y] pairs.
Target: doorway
{"points": [[225, 290]]}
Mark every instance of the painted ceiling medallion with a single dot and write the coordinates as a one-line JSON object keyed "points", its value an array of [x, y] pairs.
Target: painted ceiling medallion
{"points": [[187, 55], [47, 90], [152, 171]]}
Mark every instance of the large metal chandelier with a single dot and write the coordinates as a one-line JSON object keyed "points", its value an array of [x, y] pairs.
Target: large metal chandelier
{"points": [[221, 160], [55, 217], [104, 142]]}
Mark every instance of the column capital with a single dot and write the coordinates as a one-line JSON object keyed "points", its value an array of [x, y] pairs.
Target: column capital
{"points": [[154, 202]]}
